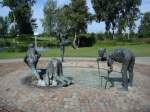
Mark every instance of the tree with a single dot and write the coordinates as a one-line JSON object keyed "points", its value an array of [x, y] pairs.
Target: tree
{"points": [[112, 12], [49, 16], [63, 24], [106, 11], [3, 25], [71, 18], [79, 15], [121, 26], [57, 19], [144, 28], [21, 12]]}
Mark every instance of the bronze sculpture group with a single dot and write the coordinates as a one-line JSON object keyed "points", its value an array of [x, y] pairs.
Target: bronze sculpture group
{"points": [[54, 70]]}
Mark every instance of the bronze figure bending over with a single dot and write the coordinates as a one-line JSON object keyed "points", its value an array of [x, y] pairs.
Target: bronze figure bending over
{"points": [[127, 58]]}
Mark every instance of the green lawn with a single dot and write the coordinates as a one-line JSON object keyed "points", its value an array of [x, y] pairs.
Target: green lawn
{"points": [[139, 50]]}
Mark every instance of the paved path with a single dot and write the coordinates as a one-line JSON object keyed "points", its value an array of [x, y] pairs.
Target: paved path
{"points": [[75, 98], [139, 60], [143, 60]]}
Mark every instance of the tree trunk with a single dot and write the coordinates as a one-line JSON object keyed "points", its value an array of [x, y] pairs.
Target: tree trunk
{"points": [[113, 34]]}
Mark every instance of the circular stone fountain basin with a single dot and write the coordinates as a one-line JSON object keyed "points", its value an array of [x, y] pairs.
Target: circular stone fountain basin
{"points": [[85, 76]]}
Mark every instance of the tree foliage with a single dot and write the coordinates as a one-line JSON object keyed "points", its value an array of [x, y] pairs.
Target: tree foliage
{"points": [[79, 15], [69, 19], [21, 12], [63, 23], [144, 28], [3, 25], [49, 16], [116, 13]]}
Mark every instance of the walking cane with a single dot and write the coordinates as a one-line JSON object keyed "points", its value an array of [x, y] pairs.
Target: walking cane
{"points": [[100, 77]]}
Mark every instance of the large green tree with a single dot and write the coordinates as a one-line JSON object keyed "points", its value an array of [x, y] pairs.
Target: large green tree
{"points": [[50, 10], [64, 24], [21, 13], [79, 15], [3, 25], [69, 19], [112, 13], [106, 11], [144, 28]]}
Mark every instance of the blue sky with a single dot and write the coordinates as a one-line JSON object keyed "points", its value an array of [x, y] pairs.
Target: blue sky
{"points": [[93, 27]]}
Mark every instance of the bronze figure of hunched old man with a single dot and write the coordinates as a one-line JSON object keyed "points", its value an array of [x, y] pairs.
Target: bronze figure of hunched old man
{"points": [[124, 56]]}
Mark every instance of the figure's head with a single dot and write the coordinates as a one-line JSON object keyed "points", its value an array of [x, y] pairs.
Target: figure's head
{"points": [[101, 52], [31, 45]]}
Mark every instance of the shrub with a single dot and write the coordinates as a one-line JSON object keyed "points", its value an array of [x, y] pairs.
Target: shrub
{"points": [[21, 48], [17, 48], [107, 43], [5, 43], [100, 36], [25, 38], [11, 49], [86, 40], [48, 43]]}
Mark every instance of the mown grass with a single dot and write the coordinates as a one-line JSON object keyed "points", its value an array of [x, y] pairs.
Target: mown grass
{"points": [[7, 55], [140, 50]]}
